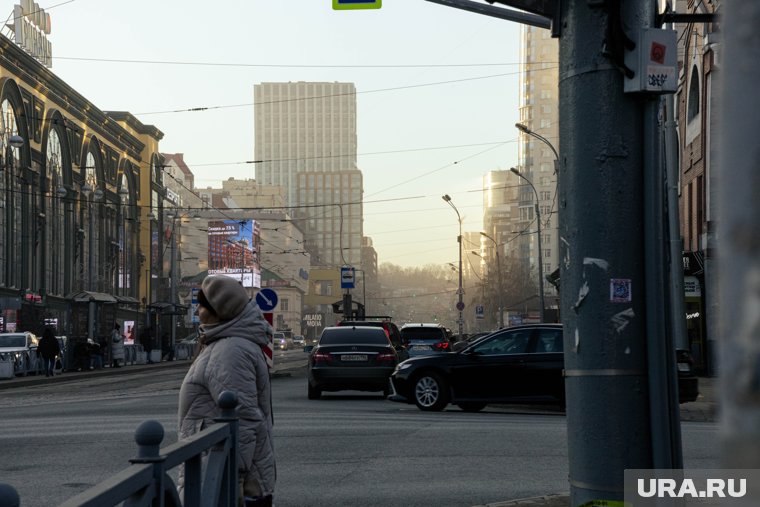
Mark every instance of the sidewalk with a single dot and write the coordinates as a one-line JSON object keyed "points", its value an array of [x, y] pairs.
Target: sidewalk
{"points": [[33, 380]]}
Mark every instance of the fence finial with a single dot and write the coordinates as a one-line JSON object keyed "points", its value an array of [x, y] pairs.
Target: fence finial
{"points": [[148, 436], [9, 496]]}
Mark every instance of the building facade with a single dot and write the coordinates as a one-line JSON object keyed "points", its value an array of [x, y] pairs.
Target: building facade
{"points": [[539, 112], [75, 192], [699, 50], [305, 142]]}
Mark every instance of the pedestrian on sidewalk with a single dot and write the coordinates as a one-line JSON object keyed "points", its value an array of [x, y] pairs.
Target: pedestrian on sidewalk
{"points": [[230, 358], [49, 349], [117, 346], [146, 340]]}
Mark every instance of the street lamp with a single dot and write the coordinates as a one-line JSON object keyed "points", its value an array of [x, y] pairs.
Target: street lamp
{"points": [[460, 291], [525, 130], [540, 251], [501, 286]]}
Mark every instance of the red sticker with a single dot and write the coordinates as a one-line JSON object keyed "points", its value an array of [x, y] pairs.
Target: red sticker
{"points": [[657, 53]]}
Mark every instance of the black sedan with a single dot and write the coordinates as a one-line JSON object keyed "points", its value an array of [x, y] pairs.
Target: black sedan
{"points": [[521, 363], [351, 358], [524, 361]]}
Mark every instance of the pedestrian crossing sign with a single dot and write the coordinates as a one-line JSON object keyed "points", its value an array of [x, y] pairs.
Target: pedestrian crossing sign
{"points": [[340, 5]]}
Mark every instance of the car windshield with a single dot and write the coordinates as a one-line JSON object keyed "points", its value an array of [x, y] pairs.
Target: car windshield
{"points": [[14, 340], [422, 333], [353, 336]]}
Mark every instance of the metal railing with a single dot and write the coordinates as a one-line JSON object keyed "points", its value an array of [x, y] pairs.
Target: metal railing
{"points": [[209, 458]]}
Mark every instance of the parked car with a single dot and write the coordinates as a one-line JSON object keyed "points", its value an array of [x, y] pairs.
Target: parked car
{"points": [[521, 363], [21, 348], [299, 341], [358, 358], [425, 339]]}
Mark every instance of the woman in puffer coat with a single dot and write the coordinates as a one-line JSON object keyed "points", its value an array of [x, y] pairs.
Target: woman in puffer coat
{"points": [[230, 358]]}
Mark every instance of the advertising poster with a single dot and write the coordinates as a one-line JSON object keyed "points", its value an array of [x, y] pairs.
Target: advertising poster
{"points": [[233, 250], [128, 331]]}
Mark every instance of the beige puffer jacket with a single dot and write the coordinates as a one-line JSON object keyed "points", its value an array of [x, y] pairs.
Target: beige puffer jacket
{"points": [[232, 360]]}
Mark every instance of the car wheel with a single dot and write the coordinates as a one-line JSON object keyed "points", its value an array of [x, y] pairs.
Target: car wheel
{"points": [[431, 392], [472, 406], [314, 392]]}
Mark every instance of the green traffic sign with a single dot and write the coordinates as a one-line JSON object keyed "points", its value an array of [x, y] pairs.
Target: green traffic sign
{"points": [[340, 5]]}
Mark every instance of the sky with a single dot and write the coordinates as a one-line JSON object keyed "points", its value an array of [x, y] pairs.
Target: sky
{"points": [[437, 94]]}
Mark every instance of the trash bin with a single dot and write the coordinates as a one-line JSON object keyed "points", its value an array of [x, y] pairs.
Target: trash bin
{"points": [[6, 368]]}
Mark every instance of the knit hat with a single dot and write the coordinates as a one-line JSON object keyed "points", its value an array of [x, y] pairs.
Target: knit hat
{"points": [[225, 296]]}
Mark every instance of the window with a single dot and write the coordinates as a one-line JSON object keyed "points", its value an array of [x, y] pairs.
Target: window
{"points": [[515, 342], [284, 305], [692, 108], [549, 340]]}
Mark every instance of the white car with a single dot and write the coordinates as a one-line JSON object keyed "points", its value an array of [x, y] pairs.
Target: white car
{"points": [[21, 348], [299, 340]]}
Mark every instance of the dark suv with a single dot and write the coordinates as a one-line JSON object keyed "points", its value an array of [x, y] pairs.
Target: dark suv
{"points": [[391, 331]]}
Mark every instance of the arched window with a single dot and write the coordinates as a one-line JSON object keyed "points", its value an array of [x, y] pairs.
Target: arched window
{"points": [[55, 218], [90, 217], [694, 96], [10, 200], [127, 231]]}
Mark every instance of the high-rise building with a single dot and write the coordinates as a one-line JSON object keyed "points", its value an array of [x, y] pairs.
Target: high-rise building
{"points": [[305, 142], [539, 112]]}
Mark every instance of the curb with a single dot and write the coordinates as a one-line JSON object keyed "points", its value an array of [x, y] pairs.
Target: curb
{"points": [[552, 500]]}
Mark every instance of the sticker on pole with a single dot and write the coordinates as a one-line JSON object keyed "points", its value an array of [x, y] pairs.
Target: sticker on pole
{"points": [[344, 5], [620, 290]]}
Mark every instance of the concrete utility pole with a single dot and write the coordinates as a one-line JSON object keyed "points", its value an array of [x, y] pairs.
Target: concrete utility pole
{"points": [[601, 244], [739, 233]]}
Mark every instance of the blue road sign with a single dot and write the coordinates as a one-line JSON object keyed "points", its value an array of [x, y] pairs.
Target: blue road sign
{"points": [[347, 277], [266, 299]]}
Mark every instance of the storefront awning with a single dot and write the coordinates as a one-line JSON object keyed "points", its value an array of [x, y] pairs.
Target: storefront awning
{"points": [[168, 308], [87, 296], [127, 300]]}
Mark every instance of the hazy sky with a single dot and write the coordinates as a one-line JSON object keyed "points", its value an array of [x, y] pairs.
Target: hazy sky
{"points": [[437, 94]]}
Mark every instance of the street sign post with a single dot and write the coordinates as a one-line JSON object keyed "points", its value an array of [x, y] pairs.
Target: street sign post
{"points": [[347, 277], [342, 5], [460, 306]]}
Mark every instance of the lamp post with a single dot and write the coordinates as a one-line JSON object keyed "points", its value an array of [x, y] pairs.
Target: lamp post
{"points": [[501, 286], [460, 291], [525, 130], [540, 250]]}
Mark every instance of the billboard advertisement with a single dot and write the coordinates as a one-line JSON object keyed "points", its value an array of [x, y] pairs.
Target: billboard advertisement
{"points": [[233, 250]]}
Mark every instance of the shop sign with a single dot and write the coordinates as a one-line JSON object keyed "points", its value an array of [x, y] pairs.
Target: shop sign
{"points": [[30, 28], [313, 319], [691, 287]]}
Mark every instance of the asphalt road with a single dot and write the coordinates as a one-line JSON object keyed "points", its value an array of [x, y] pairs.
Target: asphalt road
{"points": [[347, 449]]}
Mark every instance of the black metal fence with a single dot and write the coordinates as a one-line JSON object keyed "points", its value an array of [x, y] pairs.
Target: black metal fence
{"points": [[209, 458]]}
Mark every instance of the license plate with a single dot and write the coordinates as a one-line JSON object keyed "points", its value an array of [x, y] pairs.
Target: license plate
{"points": [[353, 357], [420, 347]]}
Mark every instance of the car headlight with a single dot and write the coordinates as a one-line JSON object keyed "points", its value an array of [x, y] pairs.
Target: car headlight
{"points": [[403, 366]]}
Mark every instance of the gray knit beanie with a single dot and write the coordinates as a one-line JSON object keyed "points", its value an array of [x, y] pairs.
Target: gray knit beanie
{"points": [[225, 295]]}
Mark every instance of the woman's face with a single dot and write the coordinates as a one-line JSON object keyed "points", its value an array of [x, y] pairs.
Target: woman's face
{"points": [[206, 316]]}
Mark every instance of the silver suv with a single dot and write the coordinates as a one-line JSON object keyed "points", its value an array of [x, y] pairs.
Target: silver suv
{"points": [[423, 339]]}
